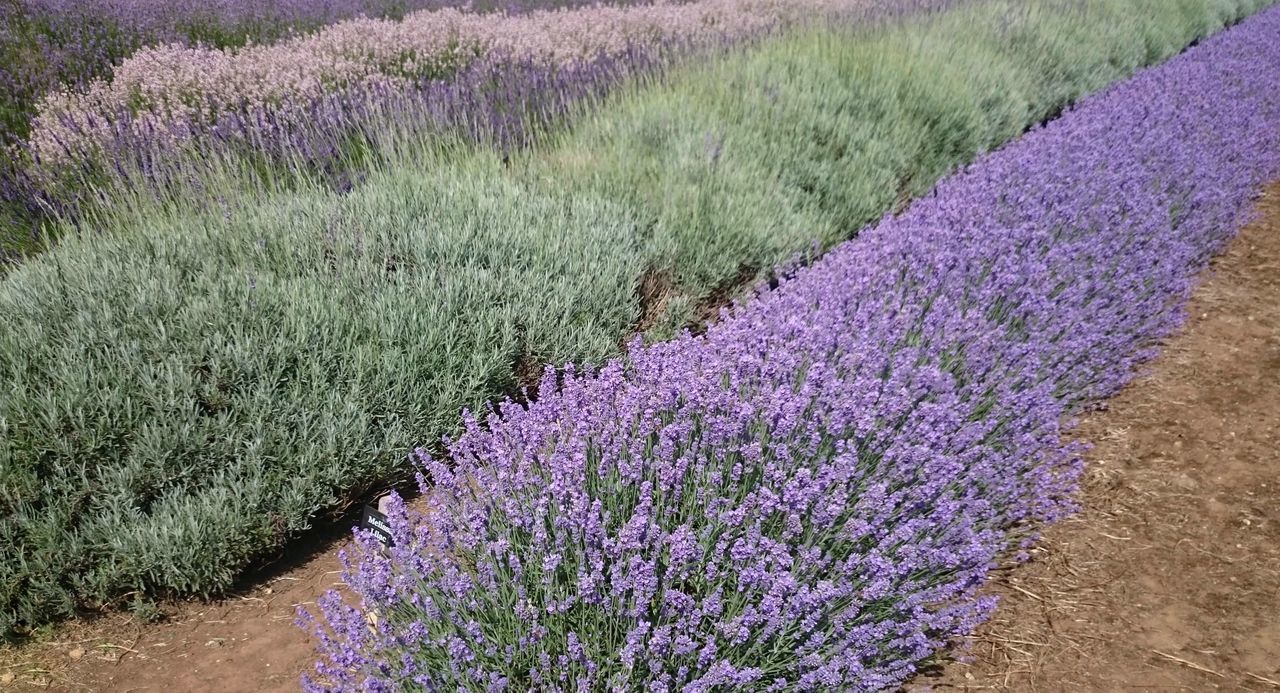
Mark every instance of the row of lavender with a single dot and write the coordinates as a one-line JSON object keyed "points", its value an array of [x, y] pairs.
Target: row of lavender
{"points": [[174, 92], [333, 102], [49, 44], [810, 495], [51, 47]]}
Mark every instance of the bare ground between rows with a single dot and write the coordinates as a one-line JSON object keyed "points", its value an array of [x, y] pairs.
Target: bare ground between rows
{"points": [[1169, 579], [245, 642]]}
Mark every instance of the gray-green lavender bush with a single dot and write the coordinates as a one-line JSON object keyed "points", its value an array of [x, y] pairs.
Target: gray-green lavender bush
{"points": [[162, 428]]}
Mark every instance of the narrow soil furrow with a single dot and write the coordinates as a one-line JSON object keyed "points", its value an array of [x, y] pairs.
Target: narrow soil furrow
{"points": [[246, 642]]}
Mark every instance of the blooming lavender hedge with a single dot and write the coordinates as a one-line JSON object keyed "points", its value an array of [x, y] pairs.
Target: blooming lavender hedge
{"points": [[45, 44], [809, 495]]}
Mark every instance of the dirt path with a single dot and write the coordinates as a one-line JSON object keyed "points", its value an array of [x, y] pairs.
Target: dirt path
{"points": [[1168, 580], [246, 642]]}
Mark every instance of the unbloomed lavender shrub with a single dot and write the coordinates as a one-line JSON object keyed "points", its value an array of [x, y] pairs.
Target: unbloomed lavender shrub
{"points": [[809, 496]]}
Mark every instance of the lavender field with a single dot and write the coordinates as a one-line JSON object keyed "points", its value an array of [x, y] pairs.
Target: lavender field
{"points": [[815, 288]]}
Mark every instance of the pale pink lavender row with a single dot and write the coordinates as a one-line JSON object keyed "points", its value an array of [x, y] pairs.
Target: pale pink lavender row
{"points": [[176, 90], [810, 495], [51, 45]]}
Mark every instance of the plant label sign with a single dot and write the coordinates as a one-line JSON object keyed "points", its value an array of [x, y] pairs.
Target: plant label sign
{"points": [[377, 525]]}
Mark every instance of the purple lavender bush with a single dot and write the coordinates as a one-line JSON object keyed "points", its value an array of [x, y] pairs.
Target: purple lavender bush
{"points": [[810, 494]]}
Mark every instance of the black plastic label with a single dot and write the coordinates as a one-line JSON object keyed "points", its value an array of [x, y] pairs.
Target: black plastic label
{"points": [[377, 525]]}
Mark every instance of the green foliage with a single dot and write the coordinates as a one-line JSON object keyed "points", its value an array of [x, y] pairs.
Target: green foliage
{"points": [[738, 166], [186, 390], [180, 403]]}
